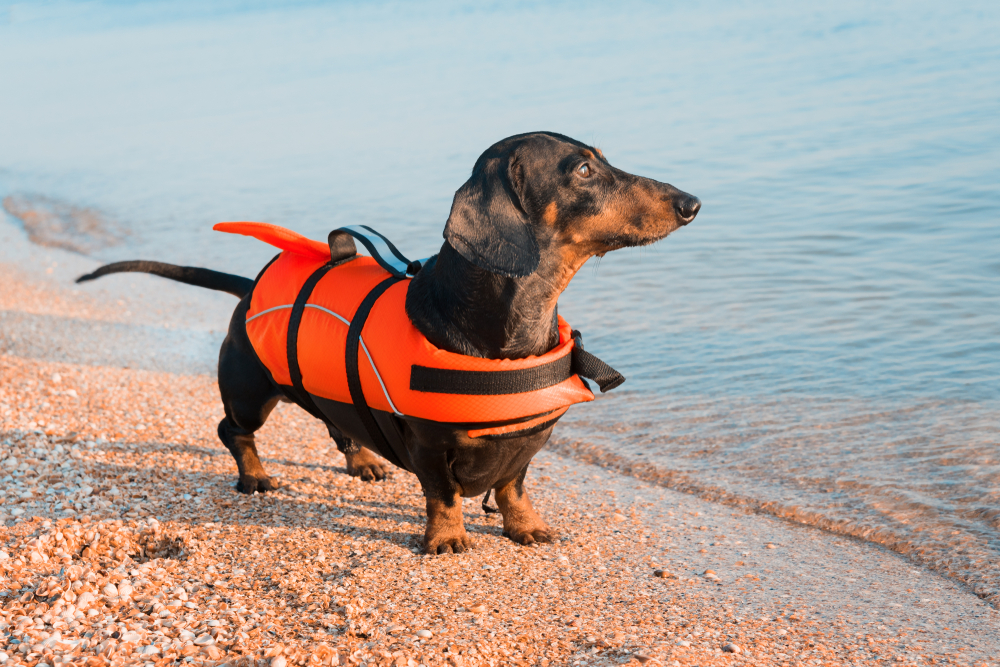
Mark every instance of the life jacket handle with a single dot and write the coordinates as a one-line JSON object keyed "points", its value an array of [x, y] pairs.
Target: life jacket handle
{"points": [[383, 251]]}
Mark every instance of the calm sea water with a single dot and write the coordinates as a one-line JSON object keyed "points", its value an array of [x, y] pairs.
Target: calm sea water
{"points": [[824, 340]]}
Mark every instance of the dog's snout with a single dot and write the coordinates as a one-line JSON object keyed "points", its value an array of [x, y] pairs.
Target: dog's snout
{"points": [[686, 207]]}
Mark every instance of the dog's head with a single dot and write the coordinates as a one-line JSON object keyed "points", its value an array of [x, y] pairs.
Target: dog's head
{"points": [[546, 193]]}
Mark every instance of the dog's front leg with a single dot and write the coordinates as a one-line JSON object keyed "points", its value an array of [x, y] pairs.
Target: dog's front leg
{"points": [[521, 522], [445, 532]]}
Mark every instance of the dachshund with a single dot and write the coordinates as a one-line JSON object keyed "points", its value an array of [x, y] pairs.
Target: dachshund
{"points": [[536, 207]]}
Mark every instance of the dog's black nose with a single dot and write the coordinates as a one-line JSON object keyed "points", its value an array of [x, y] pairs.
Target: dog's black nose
{"points": [[687, 207]]}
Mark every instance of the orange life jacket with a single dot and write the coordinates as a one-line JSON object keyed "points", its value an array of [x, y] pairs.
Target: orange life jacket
{"points": [[399, 371]]}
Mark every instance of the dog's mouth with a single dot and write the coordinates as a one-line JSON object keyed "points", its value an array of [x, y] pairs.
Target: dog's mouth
{"points": [[621, 240]]}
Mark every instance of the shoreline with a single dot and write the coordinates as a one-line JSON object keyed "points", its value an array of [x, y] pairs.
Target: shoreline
{"points": [[338, 569]]}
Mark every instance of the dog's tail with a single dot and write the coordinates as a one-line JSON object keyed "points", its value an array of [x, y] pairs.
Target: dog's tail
{"points": [[192, 275]]}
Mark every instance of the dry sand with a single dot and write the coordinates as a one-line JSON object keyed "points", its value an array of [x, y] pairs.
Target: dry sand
{"points": [[123, 541]]}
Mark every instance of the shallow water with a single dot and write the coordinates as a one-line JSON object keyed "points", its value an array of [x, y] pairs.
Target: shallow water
{"points": [[823, 341]]}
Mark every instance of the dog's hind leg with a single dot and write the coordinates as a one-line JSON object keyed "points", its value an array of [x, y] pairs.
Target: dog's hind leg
{"points": [[521, 522], [248, 396], [361, 461]]}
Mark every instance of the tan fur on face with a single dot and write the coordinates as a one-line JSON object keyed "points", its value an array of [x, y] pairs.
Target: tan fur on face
{"points": [[551, 214]]}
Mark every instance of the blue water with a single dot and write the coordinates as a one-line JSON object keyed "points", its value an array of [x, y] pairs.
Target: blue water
{"points": [[826, 335]]}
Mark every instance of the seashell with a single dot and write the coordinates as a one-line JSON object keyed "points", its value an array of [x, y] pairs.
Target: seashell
{"points": [[131, 637], [110, 590], [204, 640]]}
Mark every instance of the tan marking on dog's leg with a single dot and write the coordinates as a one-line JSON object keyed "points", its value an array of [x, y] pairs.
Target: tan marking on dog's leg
{"points": [[366, 464], [244, 451], [445, 531], [521, 522]]}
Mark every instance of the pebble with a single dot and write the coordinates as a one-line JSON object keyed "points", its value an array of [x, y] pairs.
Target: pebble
{"points": [[732, 648], [478, 608], [683, 642], [770, 546], [425, 634], [663, 574]]}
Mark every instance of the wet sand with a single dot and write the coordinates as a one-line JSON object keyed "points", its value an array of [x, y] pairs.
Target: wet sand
{"points": [[124, 537]]}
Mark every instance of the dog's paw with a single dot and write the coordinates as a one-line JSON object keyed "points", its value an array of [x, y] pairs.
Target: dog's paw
{"points": [[447, 542], [530, 534], [249, 485], [367, 465]]}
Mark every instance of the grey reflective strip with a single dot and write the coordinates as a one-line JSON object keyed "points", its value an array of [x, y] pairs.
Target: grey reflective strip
{"points": [[384, 391], [363, 347], [380, 247], [265, 312], [329, 312]]}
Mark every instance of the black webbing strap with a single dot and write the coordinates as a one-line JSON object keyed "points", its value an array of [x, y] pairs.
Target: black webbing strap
{"points": [[490, 383], [496, 383], [589, 366], [354, 377], [292, 343]]}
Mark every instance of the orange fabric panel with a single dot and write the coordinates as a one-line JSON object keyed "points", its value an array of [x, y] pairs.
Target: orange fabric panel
{"points": [[391, 339], [323, 337], [279, 237], [279, 286]]}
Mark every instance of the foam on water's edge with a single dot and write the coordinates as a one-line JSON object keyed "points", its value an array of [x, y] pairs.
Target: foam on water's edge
{"points": [[976, 567]]}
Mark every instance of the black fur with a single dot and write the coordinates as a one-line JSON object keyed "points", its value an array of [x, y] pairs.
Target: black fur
{"points": [[191, 275]]}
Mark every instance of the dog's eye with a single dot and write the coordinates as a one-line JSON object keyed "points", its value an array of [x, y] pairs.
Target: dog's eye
{"points": [[584, 170]]}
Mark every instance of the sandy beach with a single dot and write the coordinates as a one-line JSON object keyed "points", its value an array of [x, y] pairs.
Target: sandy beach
{"points": [[124, 541]]}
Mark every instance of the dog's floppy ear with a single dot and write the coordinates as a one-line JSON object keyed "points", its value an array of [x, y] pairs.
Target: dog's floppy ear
{"points": [[488, 226]]}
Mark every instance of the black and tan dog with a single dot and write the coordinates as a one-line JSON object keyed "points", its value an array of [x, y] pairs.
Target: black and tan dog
{"points": [[535, 209]]}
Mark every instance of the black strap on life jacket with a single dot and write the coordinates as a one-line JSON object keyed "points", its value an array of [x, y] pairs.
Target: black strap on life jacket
{"points": [[292, 344], [587, 365], [382, 444], [495, 383]]}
